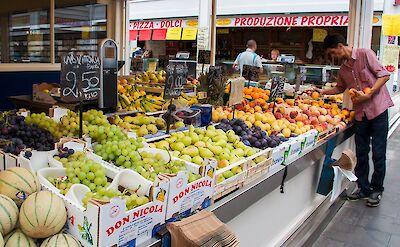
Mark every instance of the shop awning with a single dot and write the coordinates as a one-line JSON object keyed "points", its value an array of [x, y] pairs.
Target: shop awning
{"points": [[159, 34], [145, 35], [133, 34]]}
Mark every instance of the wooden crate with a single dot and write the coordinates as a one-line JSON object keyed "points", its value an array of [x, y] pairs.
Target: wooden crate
{"points": [[326, 134], [229, 185], [258, 170]]}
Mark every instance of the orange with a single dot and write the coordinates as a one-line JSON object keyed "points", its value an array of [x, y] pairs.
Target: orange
{"points": [[315, 95], [367, 90], [352, 92]]}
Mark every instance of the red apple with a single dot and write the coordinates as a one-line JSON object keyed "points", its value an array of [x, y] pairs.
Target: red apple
{"points": [[293, 114], [307, 112], [292, 121], [278, 115]]}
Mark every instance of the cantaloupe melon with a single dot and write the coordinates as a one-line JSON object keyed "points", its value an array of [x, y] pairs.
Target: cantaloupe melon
{"points": [[61, 240], [18, 239], [8, 215], [18, 183], [42, 215], [1, 241]]}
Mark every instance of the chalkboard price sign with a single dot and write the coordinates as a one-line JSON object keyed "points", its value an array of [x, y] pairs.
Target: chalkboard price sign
{"points": [[204, 56], [251, 73], [80, 75], [176, 78], [277, 87]]}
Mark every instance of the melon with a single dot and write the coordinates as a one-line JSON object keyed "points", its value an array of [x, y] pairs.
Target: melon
{"points": [[8, 215], [1, 241], [42, 215], [18, 183], [61, 240], [18, 239]]}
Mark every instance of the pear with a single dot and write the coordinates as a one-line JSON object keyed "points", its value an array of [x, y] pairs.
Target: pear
{"points": [[236, 170], [249, 151], [142, 131], [162, 145], [238, 152], [215, 149], [191, 129], [186, 157], [233, 159], [197, 160], [228, 174], [160, 123], [179, 125], [224, 156], [210, 133], [205, 153], [171, 140], [186, 140], [210, 127], [176, 153], [194, 137], [192, 151], [223, 163], [221, 132], [222, 143], [233, 138], [199, 131], [152, 129], [177, 146], [230, 146], [220, 178], [200, 144], [219, 137]]}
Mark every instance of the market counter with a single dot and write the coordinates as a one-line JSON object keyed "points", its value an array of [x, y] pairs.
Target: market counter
{"points": [[260, 215]]}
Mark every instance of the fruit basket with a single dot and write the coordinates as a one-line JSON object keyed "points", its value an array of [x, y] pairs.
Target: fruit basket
{"points": [[258, 164]]}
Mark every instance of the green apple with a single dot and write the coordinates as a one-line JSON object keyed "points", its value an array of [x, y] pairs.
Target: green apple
{"points": [[197, 160], [186, 140], [177, 146], [205, 153], [186, 157]]}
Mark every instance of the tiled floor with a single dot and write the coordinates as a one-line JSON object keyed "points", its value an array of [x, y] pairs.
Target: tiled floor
{"points": [[359, 226]]}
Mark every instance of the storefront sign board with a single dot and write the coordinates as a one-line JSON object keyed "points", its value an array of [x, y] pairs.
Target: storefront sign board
{"points": [[174, 33], [390, 59], [145, 35], [159, 34], [189, 33]]}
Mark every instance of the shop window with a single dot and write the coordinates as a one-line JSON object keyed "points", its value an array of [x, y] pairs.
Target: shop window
{"points": [[79, 28], [28, 37]]}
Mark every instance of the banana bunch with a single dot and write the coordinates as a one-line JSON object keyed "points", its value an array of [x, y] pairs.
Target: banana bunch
{"points": [[188, 99]]}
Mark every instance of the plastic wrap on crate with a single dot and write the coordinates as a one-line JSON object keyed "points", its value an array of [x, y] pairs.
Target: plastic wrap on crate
{"points": [[108, 223]]}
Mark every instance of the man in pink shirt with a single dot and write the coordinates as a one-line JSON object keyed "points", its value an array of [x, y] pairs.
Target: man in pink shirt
{"points": [[361, 69]]}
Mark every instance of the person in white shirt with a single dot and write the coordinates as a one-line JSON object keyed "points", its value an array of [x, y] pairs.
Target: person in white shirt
{"points": [[248, 57]]}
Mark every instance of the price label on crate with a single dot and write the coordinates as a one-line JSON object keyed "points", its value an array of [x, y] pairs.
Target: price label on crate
{"points": [[80, 77], [175, 79]]}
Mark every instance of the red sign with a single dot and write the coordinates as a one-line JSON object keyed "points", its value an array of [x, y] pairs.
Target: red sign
{"points": [[159, 34], [289, 21], [144, 35], [133, 34]]}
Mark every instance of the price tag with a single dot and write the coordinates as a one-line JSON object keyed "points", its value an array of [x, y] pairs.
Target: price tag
{"points": [[204, 56], [58, 113], [251, 73], [277, 87], [176, 78], [80, 75], [236, 94]]}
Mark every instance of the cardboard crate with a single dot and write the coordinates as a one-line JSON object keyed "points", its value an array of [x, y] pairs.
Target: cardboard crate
{"points": [[185, 198], [108, 223]]}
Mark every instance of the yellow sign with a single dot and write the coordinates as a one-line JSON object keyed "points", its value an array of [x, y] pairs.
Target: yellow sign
{"points": [[319, 34], [192, 23], [224, 22], [390, 59], [189, 33], [390, 25], [86, 32], [223, 31], [174, 33]]}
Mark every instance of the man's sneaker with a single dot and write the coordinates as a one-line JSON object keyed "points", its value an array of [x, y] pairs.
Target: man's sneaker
{"points": [[357, 195], [374, 199]]}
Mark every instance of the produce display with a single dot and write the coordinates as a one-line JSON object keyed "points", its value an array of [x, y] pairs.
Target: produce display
{"points": [[80, 170], [198, 143], [15, 134]]}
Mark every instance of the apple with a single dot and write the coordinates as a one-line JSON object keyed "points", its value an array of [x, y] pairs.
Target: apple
{"points": [[278, 115], [307, 112], [322, 118], [314, 121]]}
